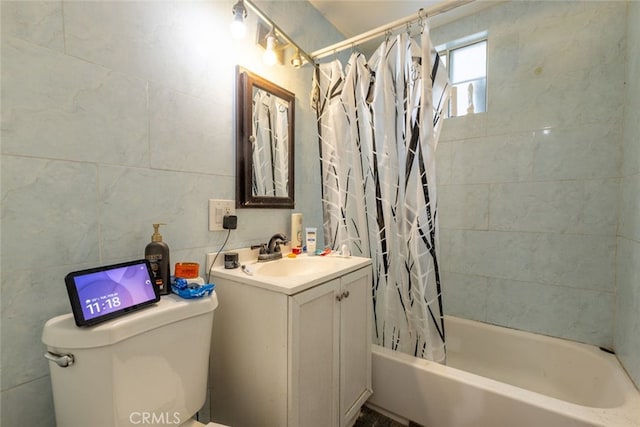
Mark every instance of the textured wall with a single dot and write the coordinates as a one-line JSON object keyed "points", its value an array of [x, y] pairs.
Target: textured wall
{"points": [[116, 115], [528, 191], [627, 330]]}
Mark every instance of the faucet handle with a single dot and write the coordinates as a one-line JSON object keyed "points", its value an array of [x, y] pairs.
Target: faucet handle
{"points": [[261, 246]]}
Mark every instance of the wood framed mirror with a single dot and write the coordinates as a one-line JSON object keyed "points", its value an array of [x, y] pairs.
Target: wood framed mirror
{"points": [[265, 125]]}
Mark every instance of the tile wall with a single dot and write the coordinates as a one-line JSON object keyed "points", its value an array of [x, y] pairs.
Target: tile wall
{"points": [[116, 115], [119, 114], [627, 330], [528, 191]]}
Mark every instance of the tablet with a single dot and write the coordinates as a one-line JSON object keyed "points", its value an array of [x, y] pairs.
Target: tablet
{"points": [[103, 293]]}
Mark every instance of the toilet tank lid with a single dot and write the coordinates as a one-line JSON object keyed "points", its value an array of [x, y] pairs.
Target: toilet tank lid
{"points": [[62, 333]]}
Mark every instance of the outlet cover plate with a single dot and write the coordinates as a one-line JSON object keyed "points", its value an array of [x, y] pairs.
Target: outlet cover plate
{"points": [[217, 210]]}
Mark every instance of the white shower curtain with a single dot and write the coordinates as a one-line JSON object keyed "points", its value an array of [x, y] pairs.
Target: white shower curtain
{"points": [[378, 126]]}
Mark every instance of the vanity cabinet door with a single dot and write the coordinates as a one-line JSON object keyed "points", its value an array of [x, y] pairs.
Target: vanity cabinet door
{"points": [[314, 330], [355, 343], [330, 351]]}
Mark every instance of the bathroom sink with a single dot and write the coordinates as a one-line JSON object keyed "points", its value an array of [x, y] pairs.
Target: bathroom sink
{"points": [[299, 266], [291, 275]]}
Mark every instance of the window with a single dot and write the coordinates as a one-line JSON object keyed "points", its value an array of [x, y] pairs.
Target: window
{"points": [[466, 61]]}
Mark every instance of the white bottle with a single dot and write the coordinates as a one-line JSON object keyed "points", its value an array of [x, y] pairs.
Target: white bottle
{"points": [[311, 240], [296, 230]]}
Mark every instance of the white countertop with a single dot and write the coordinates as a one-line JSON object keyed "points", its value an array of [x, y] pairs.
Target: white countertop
{"points": [[328, 267]]}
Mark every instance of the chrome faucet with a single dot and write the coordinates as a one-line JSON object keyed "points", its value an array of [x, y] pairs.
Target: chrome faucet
{"points": [[271, 251]]}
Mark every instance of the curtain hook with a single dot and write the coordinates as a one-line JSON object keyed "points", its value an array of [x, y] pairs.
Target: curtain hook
{"points": [[421, 19], [387, 35]]}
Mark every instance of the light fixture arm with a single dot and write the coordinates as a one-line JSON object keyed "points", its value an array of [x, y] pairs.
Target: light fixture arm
{"points": [[239, 9], [270, 56], [271, 35]]}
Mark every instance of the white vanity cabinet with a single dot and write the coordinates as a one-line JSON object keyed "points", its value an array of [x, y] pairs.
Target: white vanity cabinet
{"points": [[299, 359]]}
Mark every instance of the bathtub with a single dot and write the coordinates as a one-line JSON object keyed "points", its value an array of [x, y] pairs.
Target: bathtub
{"points": [[502, 377]]}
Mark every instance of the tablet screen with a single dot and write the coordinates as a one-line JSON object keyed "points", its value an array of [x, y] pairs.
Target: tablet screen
{"points": [[102, 293]]}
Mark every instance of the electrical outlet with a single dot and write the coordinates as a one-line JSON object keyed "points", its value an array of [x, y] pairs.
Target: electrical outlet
{"points": [[217, 210]]}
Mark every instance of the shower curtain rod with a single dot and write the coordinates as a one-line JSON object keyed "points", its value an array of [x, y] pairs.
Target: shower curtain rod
{"points": [[372, 34]]}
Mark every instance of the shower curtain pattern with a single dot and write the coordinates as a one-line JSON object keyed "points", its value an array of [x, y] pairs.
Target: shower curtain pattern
{"points": [[378, 126]]}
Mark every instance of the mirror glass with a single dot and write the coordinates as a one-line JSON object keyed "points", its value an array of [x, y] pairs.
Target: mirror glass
{"points": [[270, 145], [265, 143]]}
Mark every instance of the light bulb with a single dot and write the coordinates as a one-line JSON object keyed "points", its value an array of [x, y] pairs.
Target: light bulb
{"points": [[238, 29], [269, 57]]}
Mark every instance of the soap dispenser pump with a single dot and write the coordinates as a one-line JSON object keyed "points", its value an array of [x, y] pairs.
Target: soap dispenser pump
{"points": [[157, 253]]}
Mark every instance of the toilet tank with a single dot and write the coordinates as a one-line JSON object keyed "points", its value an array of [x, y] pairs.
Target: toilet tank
{"points": [[146, 368]]}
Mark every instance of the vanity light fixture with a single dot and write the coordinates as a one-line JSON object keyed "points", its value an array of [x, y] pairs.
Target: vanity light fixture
{"points": [[238, 28], [277, 42], [269, 56]]}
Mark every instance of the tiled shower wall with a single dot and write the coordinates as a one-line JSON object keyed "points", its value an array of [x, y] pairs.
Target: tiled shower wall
{"points": [[627, 325], [116, 115], [528, 191]]}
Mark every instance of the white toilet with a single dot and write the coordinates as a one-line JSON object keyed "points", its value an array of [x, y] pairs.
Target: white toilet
{"points": [[148, 368]]}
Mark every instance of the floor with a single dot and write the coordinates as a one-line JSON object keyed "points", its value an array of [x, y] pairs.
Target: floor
{"points": [[371, 418]]}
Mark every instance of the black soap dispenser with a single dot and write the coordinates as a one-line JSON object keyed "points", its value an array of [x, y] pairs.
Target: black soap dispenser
{"points": [[157, 253]]}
